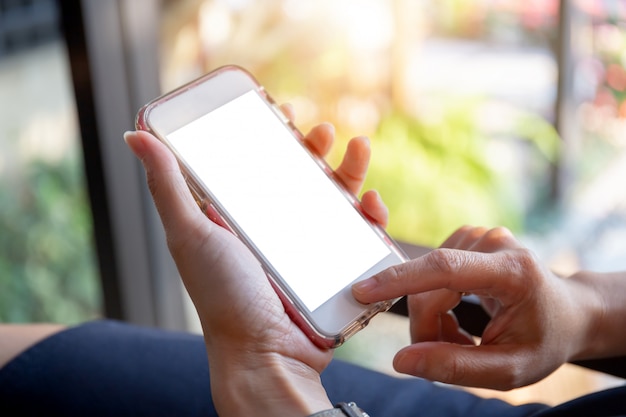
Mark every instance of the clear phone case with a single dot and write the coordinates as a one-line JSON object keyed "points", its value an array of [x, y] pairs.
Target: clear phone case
{"points": [[294, 308]]}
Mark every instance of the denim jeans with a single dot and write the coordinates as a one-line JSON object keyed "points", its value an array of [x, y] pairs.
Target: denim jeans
{"points": [[108, 368]]}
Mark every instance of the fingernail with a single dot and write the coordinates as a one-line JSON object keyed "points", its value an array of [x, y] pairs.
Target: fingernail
{"points": [[409, 362], [128, 134], [135, 145], [329, 126], [377, 195], [365, 286]]}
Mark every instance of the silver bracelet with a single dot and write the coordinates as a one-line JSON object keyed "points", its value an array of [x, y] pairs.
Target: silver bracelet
{"points": [[342, 410]]}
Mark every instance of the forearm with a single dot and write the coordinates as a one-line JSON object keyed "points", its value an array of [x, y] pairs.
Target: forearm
{"points": [[603, 300], [266, 385], [16, 338]]}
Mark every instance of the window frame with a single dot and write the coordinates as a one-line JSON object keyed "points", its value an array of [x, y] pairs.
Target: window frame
{"points": [[115, 69]]}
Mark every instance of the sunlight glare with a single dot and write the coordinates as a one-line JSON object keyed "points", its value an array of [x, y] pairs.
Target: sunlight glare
{"points": [[215, 23], [369, 24]]}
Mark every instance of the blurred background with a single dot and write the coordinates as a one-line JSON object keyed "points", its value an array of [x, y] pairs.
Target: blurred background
{"points": [[485, 112]]}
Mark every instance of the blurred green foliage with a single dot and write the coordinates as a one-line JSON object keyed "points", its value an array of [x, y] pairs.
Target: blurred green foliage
{"points": [[434, 173], [436, 176], [47, 266]]}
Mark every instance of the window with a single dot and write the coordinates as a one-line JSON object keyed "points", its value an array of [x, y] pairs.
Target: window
{"points": [[48, 267], [462, 100]]}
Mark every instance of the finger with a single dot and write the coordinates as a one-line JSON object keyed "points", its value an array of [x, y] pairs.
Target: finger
{"points": [[481, 239], [496, 367], [451, 332], [499, 275], [425, 311], [452, 241], [373, 205], [471, 237], [320, 139], [176, 206], [189, 232], [289, 111], [353, 168], [494, 240], [429, 313], [466, 237]]}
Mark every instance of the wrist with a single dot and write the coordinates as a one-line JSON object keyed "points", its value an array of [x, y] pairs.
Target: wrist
{"points": [[266, 385], [603, 313]]}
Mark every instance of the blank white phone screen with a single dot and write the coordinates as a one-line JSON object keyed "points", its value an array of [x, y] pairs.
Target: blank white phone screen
{"points": [[304, 226]]}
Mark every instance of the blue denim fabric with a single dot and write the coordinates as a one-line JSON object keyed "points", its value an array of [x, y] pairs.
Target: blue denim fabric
{"points": [[108, 368]]}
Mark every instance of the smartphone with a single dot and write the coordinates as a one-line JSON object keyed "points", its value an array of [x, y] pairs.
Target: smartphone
{"points": [[249, 171]]}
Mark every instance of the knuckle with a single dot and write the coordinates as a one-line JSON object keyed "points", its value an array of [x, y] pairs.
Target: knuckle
{"points": [[499, 237], [478, 232], [520, 273], [524, 263], [504, 231], [464, 230], [350, 175], [392, 276], [526, 258], [444, 261]]}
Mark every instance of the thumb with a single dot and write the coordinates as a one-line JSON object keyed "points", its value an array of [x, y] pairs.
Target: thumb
{"points": [[178, 210], [496, 367]]}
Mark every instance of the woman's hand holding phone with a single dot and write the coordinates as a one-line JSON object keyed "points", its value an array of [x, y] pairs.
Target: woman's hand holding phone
{"points": [[261, 363], [249, 169]]}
